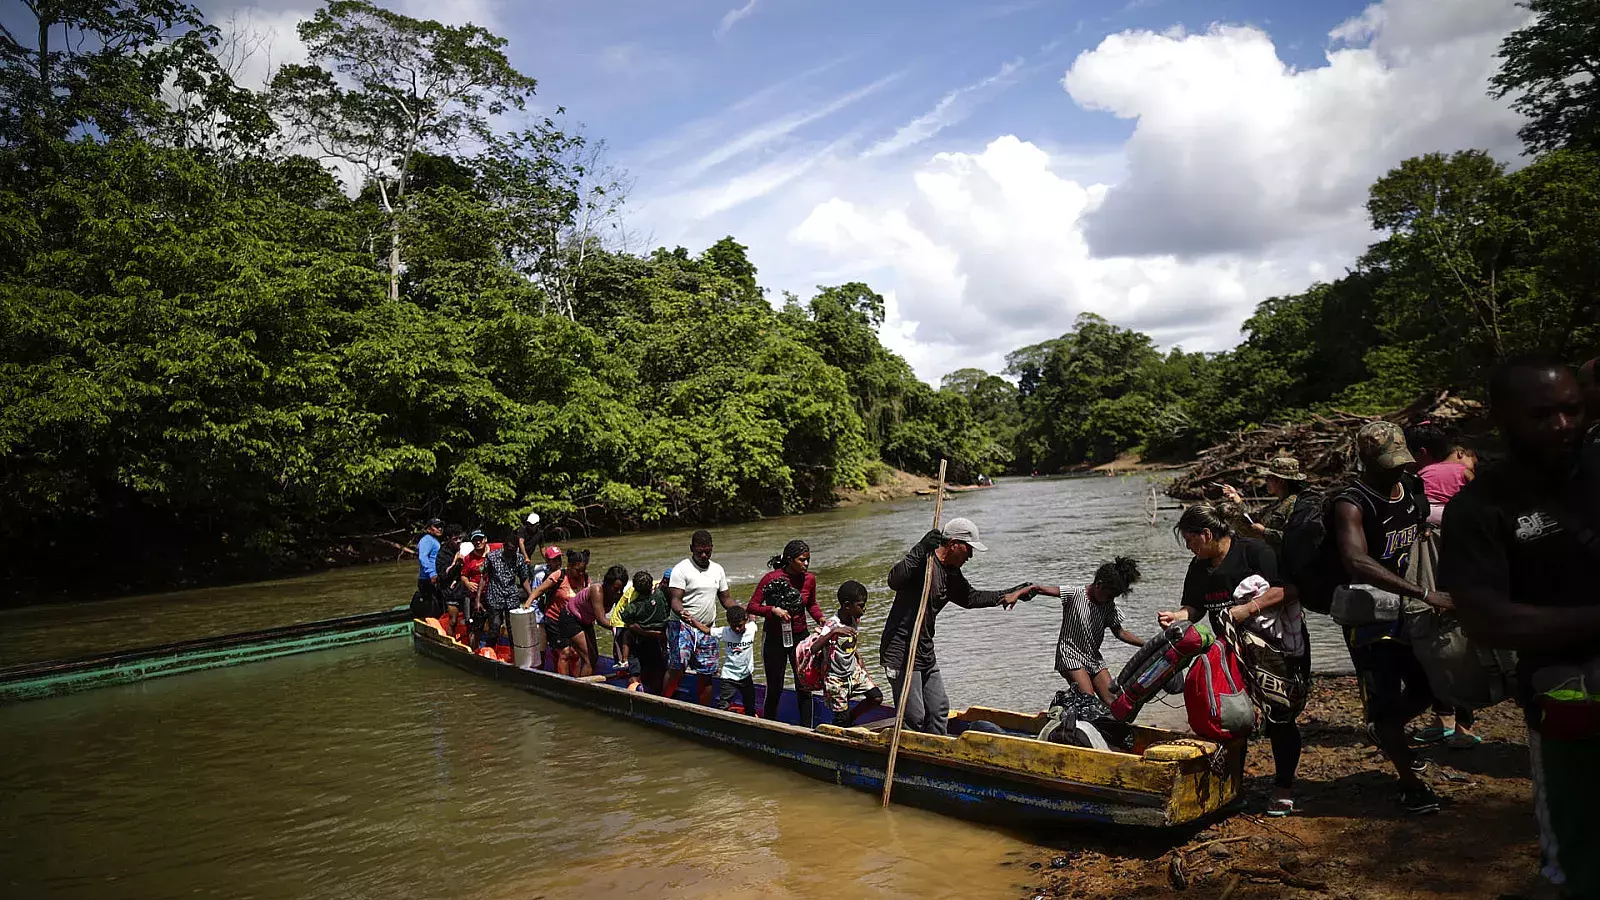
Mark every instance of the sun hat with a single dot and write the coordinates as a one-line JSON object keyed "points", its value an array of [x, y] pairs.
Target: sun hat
{"points": [[1285, 467]]}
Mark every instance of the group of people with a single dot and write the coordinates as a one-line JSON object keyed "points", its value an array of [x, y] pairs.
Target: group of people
{"points": [[661, 629], [1510, 552], [1518, 563]]}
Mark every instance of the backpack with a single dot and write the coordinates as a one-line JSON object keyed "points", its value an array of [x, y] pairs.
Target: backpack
{"points": [[811, 660], [1309, 557], [1310, 553], [1216, 698]]}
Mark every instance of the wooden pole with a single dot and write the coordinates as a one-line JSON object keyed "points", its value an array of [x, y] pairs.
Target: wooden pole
{"points": [[911, 649]]}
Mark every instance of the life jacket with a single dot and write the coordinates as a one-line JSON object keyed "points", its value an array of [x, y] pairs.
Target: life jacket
{"points": [[1156, 662], [1215, 696]]}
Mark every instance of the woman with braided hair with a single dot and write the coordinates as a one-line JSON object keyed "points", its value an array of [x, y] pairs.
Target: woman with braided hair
{"points": [[783, 597]]}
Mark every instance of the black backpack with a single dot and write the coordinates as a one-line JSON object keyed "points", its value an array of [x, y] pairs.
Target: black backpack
{"points": [[1310, 554]]}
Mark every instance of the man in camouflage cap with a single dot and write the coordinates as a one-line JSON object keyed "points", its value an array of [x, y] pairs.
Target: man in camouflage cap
{"points": [[1286, 483], [1376, 522]]}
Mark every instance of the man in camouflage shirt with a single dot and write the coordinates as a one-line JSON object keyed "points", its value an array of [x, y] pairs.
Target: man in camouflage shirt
{"points": [[1286, 483]]}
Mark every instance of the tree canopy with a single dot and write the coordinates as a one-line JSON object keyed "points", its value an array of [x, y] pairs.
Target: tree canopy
{"points": [[216, 360]]}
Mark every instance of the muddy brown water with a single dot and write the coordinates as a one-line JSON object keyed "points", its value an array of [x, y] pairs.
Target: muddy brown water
{"points": [[371, 772]]}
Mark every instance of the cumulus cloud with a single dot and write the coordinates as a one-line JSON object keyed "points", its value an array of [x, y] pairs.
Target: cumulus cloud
{"points": [[1235, 150], [987, 253], [1244, 178]]}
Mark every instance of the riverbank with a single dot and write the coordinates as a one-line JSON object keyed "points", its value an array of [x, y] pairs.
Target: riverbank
{"points": [[897, 485], [1349, 838]]}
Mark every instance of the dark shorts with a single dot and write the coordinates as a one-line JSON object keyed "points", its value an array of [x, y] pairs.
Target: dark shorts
{"points": [[651, 652], [1394, 686], [742, 692], [568, 626], [552, 634]]}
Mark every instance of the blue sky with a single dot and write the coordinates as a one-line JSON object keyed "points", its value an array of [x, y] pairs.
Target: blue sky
{"points": [[638, 69], [997, 167]]}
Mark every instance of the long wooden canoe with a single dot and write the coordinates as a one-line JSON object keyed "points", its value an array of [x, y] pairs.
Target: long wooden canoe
{"points": [[32, 681], [1170, 779]]}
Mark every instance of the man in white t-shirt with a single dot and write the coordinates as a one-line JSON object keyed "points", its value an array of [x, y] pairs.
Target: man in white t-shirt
{"points": [[697, 588]]}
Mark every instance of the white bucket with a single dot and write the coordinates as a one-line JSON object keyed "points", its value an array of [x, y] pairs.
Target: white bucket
{"points": [[523, 653]]}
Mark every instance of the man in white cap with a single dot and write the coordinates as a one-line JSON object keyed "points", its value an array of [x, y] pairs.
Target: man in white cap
{"points": [[927, 706]]}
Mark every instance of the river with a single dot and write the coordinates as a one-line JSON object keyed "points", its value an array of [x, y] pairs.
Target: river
{"points": [[370, 772]]}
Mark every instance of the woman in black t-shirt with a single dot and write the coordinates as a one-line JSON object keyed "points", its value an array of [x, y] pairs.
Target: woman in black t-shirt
{"points": [[1222, 561]]}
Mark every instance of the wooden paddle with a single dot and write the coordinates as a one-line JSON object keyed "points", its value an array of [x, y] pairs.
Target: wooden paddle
{"points": [[911, 648]]}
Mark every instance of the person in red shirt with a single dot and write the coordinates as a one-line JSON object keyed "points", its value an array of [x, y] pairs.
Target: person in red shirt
{"points": [[472, 575], [783, 597]]}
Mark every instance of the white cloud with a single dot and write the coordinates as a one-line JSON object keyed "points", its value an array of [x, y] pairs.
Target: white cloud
{"points": [[773, 131], [1238, 150], [1244, 178], [987, 253], [951, 108], [733, 16]]}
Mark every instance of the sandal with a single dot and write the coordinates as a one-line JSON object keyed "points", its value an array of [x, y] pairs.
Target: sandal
{"points": [[1433, 734], [1279, 807]]}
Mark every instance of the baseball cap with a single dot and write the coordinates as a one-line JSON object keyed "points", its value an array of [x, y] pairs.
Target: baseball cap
{"points": [[964, 531], [533, 518], [435, 523], [1383, 444], [477, 534], [552, 552]]}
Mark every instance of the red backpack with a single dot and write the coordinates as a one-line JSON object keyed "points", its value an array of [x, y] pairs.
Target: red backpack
{"points": [[811, 660], [1215, 696]]}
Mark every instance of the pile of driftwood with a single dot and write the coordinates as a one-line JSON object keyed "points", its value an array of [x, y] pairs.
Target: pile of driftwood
{"points": [[1325, 447]]}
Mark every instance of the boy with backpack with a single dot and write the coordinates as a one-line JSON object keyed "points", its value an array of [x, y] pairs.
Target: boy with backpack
{"points": [[847, 679]]}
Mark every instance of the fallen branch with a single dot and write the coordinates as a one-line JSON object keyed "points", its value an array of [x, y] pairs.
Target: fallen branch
{"points": [[1205, 844], [1280, 876]]}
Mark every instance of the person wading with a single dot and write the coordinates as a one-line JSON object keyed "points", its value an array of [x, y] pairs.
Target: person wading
{"points": [[1375, 522], [784, 596], [1521, 559], [927, 706]]}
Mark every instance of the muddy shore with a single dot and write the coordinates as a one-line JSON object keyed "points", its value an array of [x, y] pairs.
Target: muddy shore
{"points": [[1349, 837]]}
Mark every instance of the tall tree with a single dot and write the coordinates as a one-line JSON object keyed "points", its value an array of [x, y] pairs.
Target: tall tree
{"points": [[1553, 67], [100, 65], [397, 86]]}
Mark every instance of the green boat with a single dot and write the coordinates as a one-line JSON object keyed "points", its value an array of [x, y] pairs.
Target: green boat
{"points": [[34, 681]]}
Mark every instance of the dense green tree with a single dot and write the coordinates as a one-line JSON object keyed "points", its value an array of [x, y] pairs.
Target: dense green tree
{"points": [[1551, 69], [382, 87]]}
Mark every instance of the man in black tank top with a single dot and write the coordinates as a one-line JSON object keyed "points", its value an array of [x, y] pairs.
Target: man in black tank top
{"points": [[1376, 522]]}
